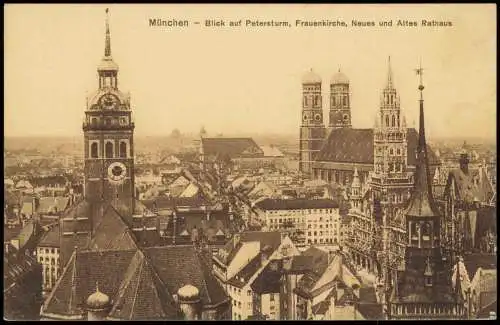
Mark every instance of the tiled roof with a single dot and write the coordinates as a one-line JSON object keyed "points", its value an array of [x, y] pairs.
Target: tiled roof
{"points": [[271, 239], [241, 278], [112, 233], [475, 261], [16, 265], [356, 146], [231, 147], [51, 238], [170, 202], [141, 295], [139, 283], [296, 204], [49, 180], [318, 267], [11, 232], [52, 204], [467, 190], [181, 265], [269, 280]]}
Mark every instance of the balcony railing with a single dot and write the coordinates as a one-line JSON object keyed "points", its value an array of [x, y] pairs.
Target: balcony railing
{"points": [[103, 126]]}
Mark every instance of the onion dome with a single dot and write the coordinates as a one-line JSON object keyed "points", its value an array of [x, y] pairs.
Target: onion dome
{"points": [[310, 77], [339, 79], [188, 293], [98, 300]]}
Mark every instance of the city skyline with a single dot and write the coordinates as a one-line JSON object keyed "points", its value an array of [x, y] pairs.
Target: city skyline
{"points": [[236, 87]]}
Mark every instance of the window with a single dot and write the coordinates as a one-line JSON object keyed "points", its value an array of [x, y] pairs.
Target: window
{"points": [[271, 297], [345, 101], [393, 121], [249, 292], [93, 121], [386, 120], [123, 149], [109, 149], [334, 101], [94, 150]]}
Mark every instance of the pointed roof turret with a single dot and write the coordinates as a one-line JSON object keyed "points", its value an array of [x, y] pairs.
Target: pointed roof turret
{"points": [[107, 46], [107, 63], [389, 74], [355, 179], [421, 202]]}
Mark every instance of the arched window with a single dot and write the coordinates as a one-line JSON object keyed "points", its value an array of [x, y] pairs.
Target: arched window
{"points": [[93, 121], [386, 120], [391, 151], [108, 121], [109, 150], [94, 150], [393, 120], [333, 101], [123, 149], [345, 101]]}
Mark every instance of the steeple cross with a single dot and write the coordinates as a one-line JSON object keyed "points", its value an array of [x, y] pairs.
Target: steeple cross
{"points": [[420, 72]]}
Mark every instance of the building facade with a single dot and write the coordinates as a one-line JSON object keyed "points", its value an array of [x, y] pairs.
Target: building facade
{"points": [[317, 220]]}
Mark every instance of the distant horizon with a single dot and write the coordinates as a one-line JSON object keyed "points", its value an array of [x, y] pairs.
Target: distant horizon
{"points": [[229, 80], [228, 134]]}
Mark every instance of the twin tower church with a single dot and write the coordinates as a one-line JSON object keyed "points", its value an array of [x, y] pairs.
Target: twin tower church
{"points": [[334, 153]]}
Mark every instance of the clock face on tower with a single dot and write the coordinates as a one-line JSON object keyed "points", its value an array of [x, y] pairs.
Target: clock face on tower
{"points": [[117, 172], [109, 101]]}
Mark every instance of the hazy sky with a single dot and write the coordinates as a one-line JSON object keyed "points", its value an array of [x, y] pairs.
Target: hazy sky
{"points": [[246, 79]]}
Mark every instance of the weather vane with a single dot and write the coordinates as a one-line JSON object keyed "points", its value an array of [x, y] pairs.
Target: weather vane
{"points": [[420, 72]]}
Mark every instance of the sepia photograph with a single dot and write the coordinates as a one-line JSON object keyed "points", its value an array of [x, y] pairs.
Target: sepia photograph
{"points": [[250, 162]]}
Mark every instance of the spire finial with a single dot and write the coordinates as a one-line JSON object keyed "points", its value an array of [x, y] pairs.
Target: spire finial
{"points": [[97, 286], [389, 74], [420, 72], [107, 47]]}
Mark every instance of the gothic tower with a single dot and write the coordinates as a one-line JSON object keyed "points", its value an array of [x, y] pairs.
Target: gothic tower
{"points": [[425, 280], [340, 102], [108, 138], [312, 129], [391, 180]]}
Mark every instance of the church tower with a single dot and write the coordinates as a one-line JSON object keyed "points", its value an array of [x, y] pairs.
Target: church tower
{"points": [[108, 138], [312, 129], [391, 180], [340, 102]]}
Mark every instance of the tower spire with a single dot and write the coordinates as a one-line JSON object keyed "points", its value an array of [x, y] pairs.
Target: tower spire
{"points": [[107, 46], [421, 202], [389, 74]]}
